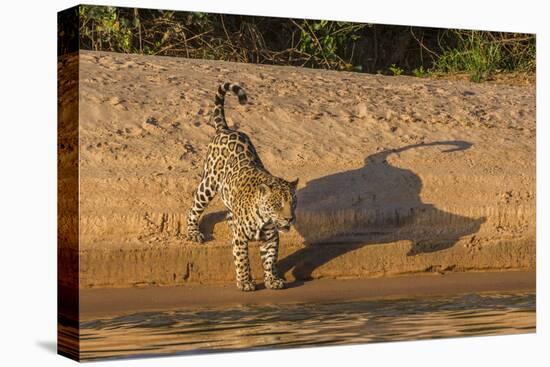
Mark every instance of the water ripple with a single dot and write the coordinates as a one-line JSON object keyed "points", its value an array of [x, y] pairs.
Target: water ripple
{"points": [[284, 326]]}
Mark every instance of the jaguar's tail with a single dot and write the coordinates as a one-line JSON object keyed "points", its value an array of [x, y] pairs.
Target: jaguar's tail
{"points": [[219, 115]]}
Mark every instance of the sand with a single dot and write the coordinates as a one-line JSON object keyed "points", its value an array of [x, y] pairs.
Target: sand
{"points": [[398, 175], [101, 303]]}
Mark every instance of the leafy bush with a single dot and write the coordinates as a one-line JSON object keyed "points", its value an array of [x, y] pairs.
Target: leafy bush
{"points": [[327, 42], [393, 50], [102, 28]]}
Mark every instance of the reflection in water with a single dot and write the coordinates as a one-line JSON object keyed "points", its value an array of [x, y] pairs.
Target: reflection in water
{"points": [[281, 326]]}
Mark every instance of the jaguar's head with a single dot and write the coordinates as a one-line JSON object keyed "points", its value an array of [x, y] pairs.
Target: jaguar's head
{"points": [[278, 203]]}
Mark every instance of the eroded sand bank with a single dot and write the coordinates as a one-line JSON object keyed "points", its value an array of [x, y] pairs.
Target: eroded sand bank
{"points": [[398, 175]]}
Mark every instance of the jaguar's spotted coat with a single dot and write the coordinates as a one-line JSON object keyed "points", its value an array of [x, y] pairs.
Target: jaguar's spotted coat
{"points": [[259, 204]]}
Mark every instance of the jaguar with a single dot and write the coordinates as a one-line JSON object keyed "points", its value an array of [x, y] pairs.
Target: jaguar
{"points": [[259, 204]]}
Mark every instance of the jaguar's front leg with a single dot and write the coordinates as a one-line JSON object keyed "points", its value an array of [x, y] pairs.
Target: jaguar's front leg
{"points": [[269, 252], [242, 264]]}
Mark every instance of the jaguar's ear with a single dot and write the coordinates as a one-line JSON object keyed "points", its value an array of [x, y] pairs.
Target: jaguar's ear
{"points": [[294, 183], [264, 189]]}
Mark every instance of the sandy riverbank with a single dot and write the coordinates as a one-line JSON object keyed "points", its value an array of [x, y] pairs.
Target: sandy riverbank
{"points": [[398, 175]]}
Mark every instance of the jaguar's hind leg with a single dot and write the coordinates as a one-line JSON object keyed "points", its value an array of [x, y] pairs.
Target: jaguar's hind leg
{"points": [[202, 197], [229, 219]]}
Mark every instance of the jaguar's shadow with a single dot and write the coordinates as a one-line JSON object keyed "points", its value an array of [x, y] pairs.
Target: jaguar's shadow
{"points": [[209, 221], [378, 203]]}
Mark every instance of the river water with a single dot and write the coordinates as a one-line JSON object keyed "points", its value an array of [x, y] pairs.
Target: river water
{"points": [[284, 326]]}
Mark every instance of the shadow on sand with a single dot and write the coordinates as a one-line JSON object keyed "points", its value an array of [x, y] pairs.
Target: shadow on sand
{"points": [[376, 204]]}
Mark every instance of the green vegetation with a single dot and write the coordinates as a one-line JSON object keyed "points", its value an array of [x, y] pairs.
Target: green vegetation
{"points": [[419, 72], [106, 29], [325, 41], [482, 54], [393, 50], [396, 70]]}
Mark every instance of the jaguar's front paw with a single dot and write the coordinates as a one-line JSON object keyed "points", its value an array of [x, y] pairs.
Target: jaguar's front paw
{"points": [[246, 285], [195, 236], [274, 283]]}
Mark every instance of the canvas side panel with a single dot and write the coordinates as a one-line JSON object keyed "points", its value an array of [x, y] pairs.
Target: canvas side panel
{"points": [[67, 185]]}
